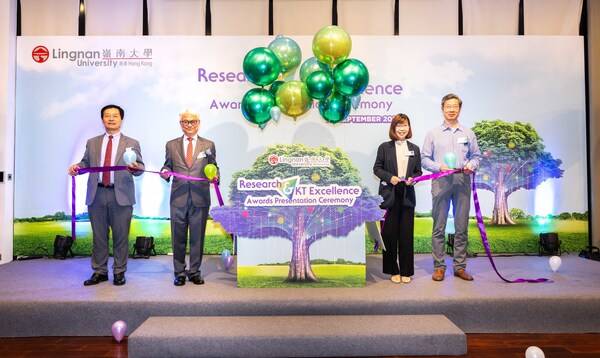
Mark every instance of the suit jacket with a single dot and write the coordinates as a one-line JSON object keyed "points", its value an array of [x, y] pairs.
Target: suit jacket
{"points": [[386, 167], [175, 161], [123, 180]]}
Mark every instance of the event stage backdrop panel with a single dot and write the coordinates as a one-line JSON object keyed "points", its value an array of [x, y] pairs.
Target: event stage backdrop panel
{"points": [[536, 81]]}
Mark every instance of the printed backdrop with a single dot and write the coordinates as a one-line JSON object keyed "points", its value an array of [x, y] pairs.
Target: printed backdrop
{"points": [[62, 82]]}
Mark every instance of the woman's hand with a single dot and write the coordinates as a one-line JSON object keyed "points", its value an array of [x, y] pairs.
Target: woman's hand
{"points": [[73, 170]]}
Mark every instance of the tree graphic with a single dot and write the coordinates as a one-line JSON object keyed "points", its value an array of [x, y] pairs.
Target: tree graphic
{"points": [[302, 225], [513, 158]]}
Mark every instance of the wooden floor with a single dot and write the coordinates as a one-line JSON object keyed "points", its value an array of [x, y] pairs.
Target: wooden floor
{"points": [[479, 346]]}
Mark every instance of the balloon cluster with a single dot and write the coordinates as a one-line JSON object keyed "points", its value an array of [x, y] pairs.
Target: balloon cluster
{"points": [[330, 77]]}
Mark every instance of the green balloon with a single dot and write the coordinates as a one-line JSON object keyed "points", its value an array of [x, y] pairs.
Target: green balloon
{"points": [[450, 160], [261, 66], [319, 84], [275, 86], [210, 171], [351, 77], [256, 106], [311, 65], [288, 52], [335, 108]]}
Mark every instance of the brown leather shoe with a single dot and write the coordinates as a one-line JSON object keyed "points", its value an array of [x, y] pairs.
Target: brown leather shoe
{"points": [[438, 274], [462, 273]]}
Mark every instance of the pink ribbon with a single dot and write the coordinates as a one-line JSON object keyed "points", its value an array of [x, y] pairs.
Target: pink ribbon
{"points": [[480, 223], [122, 167]]}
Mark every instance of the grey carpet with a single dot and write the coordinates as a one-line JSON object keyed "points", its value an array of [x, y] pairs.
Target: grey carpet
{"points": [[297, 336], [47, 298]]}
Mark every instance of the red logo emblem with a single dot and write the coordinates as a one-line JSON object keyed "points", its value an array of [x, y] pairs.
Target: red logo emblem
{"points": [[273, 159], [40, 54]]}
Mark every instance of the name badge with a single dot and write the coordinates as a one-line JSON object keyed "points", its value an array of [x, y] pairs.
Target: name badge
{"points": [[383, 183], [410, 153], [462, 140], [201, 155]]}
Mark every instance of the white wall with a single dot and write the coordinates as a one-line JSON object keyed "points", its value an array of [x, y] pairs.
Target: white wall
{"points": [[7, 123]]}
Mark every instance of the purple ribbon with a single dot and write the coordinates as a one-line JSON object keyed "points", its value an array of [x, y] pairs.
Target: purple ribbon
{"points": [[480, 224], [486, 245], [122, 167]]}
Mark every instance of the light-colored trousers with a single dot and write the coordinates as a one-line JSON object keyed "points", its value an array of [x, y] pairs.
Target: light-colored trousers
{"points": [[455, 189]]}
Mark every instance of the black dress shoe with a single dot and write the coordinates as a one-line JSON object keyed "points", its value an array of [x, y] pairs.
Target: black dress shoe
{"points": [[197, 280], [95, 279], [179, 281], [119, 279]]}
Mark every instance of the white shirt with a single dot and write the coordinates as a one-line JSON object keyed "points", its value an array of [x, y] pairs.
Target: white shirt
{"points": [[401, 158], [113, 158]]}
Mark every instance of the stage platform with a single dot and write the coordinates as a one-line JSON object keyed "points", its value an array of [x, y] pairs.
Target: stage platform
{"points": [[47, 298]]}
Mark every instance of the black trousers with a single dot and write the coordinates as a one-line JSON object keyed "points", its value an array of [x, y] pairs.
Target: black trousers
{"points": [[398, 237]]}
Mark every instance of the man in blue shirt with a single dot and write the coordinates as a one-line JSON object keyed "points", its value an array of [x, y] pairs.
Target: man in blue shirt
{"points": [[446, 143]]}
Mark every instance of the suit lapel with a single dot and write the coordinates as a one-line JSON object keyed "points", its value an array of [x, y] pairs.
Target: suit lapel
{"points": [[393, 158], [97, 152], [199, 143], [179, 150], [120, 149], [411, 159]]}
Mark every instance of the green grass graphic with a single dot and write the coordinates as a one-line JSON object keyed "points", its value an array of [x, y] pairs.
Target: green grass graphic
{"points": [[35, 238], [328, 275]]}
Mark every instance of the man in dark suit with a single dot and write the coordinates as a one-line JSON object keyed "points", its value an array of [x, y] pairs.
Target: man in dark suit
{"points": [[190, 200], [110, 195]]}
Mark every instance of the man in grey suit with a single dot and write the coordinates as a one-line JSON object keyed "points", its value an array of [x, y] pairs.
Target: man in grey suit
{"points": [[110, 195], [190, 200]]}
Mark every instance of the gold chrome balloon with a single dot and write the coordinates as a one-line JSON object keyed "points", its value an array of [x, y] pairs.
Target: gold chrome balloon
{"points": [[332, 45], [293, 99]]}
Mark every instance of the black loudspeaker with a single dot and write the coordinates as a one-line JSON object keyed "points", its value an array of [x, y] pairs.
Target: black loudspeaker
{"points": [[591, 253], [450, 245], [549, 244], [143, 247], [62, 247]]}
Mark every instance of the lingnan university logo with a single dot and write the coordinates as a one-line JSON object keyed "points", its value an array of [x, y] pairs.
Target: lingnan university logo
{"points": [[40, 54]]}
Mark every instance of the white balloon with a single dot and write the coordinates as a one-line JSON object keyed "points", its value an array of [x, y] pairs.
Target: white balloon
{"points": [[555, 262], [534, 352], [129, 156], [275, 113], [355, 101]]}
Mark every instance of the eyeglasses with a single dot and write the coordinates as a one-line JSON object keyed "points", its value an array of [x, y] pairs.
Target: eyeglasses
{"points": [[189, 123], [450, 106]]}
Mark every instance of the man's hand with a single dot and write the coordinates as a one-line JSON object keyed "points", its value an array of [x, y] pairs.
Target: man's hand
{"points": [[133, 167], [395, 180], [444, 168], [468, 169], [164, 174], [409, 181], [73, 170]]}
